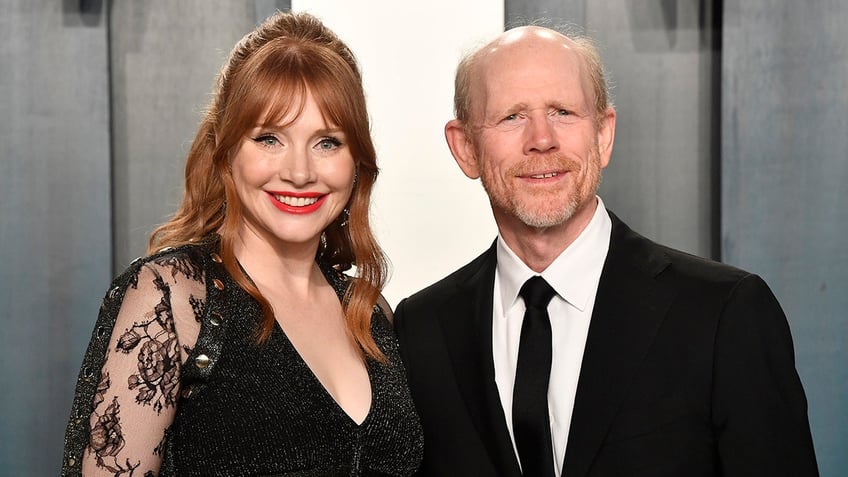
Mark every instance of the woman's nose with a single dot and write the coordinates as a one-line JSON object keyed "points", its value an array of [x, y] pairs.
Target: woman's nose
{"points": [[297, 168]]}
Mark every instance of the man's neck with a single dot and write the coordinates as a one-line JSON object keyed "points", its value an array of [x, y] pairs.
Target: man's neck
{"points": [[538, 247]]}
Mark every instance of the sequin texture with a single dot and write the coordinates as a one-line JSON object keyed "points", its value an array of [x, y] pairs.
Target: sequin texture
{"points": [[253, 409]]}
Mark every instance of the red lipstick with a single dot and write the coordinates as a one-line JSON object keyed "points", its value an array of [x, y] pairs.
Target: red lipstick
{"points": [[295, 209]]}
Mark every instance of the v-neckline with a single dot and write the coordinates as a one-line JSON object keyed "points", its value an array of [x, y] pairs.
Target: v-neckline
{"points": [[317, 381], [339, 287]]}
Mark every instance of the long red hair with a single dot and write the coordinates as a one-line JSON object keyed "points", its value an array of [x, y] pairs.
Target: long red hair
{"points": [[265, 79]]}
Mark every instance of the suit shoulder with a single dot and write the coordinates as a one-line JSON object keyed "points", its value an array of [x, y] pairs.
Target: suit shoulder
{"points": [[709, 278], [667, 263], [685, 265]]}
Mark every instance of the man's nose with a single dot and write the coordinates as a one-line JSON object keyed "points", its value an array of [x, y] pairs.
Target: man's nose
{"points": [[541, 136]]}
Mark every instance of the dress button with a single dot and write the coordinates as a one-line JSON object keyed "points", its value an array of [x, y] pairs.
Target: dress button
{"points": [[72, 462], [216, 258], [215, 319], [218, 284], [165, 249], [202, 361]]}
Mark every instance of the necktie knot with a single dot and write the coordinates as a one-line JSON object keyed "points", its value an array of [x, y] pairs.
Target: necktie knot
{"points": [[536, 293]]}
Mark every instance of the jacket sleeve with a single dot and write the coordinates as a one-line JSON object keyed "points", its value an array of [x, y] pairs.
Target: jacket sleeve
{"points": [[759, 409]]}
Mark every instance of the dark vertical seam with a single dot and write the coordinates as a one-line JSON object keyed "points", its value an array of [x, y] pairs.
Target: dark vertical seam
{"points": [[716, 169], [111, 142]]}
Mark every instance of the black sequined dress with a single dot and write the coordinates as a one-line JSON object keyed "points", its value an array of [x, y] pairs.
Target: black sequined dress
{"points": [[226, 405]]}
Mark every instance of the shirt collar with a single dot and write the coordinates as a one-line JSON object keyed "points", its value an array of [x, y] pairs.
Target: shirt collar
{"points": [[573, 274]]}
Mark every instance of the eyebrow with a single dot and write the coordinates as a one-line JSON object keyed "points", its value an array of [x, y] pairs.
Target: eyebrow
{"points": [[318, 132], [332, 130], [517, 107]]}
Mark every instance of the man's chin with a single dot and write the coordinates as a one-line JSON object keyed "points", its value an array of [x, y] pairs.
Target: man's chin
{"points": [[545, 219]]}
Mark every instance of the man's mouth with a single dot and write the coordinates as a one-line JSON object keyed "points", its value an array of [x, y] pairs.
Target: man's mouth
{"points": [[546, 175]]}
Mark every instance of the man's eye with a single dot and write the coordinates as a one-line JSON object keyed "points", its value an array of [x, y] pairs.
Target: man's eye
{"points": [[511, 117], [563, 116]]}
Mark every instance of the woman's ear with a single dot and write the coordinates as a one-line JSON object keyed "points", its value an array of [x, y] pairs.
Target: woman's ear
{"points": [[462, 148]]}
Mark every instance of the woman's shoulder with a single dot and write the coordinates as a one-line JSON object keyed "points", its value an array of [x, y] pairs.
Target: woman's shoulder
{"points": [[188, 261]]}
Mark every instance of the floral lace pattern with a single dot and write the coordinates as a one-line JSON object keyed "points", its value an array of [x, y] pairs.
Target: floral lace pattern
{"points": [[158, 354], [142, 369], [107, 441]]}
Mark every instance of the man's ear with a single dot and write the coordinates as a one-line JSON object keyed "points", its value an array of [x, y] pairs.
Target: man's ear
{"points": [[606, 136], [462, 148]]}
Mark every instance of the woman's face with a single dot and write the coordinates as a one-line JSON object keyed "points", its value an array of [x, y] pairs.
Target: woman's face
{"points": [[293, 181]]}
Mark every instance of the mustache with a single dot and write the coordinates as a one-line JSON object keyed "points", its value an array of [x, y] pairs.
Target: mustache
{"points": [[545, 163]]}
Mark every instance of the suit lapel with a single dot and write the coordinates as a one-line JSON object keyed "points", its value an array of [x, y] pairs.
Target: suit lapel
{"points": [[629, 308], [468, 334]]}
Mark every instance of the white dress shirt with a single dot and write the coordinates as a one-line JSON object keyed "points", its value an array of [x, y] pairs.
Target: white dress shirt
{"points": [[574, 275]]}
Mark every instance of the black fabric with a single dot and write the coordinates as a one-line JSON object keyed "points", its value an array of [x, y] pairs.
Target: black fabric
{"points": [[530, 418], [688, 371], [249, 409]]}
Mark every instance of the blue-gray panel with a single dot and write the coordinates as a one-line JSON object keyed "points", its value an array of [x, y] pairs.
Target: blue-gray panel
{"points": [[554, 12], [165, 56], [784, 193], [663, 63], [54, 217]]}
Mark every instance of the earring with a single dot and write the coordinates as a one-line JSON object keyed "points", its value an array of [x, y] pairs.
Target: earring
{"points": [[345, 217]]}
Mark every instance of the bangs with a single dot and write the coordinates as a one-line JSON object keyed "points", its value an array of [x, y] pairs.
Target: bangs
{"points": [[274, 89], [279, 101]]}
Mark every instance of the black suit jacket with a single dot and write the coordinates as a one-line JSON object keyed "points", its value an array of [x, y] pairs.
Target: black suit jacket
{"points": [[688, 370]]}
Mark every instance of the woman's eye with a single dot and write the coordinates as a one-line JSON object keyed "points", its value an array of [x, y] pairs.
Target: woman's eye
{"points": [[328, 143], [267, 140]]}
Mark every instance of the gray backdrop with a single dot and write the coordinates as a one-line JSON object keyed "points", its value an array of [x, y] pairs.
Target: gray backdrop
{"points": [[784, 186], [55, 239], [731, 144]]}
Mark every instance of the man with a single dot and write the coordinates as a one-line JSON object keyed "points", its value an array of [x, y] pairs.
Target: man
{"points": [[626, 358]]}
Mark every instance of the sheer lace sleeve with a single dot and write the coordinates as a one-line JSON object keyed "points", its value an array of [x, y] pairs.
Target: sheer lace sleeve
{"points": [[136, 399]]}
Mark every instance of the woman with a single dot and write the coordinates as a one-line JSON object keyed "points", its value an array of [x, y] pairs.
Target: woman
{"points": [[238, 347]]}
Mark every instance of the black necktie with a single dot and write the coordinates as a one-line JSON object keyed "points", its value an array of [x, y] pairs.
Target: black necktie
{"points": [[530, 421]]}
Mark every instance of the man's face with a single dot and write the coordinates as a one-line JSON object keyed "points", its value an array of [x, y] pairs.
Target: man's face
{"points": [[533, 134]]}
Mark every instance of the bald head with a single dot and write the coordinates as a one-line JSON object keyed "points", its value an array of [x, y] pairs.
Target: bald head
{"points": [[526, 48]]}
